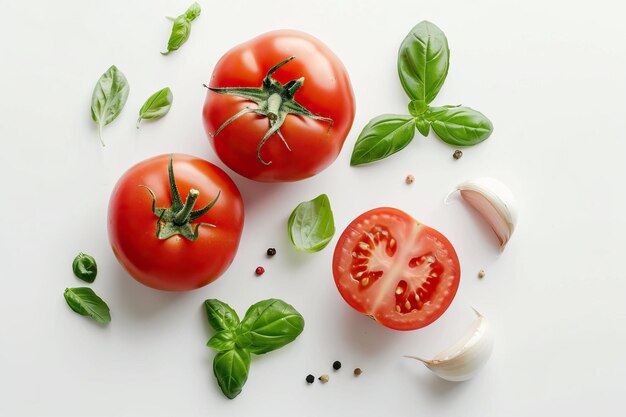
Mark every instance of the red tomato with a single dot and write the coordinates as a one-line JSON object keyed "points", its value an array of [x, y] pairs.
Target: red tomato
{"points": [[399, 272], [185, 246], [308, 100]]}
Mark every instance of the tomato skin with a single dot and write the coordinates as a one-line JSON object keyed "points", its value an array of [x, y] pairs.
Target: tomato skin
{"points": [[423, 263], [326, 91], [176, 263]]}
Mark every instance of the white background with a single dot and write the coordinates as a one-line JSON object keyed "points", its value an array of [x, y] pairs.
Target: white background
{"points": [[551, 77]]}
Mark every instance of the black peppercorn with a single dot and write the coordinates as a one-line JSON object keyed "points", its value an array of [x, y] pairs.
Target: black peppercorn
{"points": [[271, 252], [336, 365], [457, 154], [310, 379]]}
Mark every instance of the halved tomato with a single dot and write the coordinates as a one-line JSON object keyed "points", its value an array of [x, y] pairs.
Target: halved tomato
{"points": [[401, 273]]}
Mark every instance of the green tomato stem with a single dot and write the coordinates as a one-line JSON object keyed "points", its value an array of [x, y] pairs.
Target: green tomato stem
{"points": [[182, 216], [273, 106]]}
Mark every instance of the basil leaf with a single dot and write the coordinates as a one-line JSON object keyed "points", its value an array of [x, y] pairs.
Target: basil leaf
{"points": [[417, 107], [108, 98], [311, 225], [220, 315], [423, 61], [383, 136], [85, 268], [157, 105], [459, 126], [193, 12], [231, 369], [86, 303], [270, 325], [422, 126], [181, 29], [224, 340]]}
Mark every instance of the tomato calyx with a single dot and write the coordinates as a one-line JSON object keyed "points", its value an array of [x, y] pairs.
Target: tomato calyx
{"points": [[274, 101], [178, 219]]}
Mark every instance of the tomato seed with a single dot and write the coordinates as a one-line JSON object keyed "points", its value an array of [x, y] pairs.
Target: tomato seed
{"points": [[259, 270], [457, 154], [365, 281], [336, 365], [409, 179], [357, 371], [310, 379], [324, 378], [271, 252], [399, 290], [407, 305]]}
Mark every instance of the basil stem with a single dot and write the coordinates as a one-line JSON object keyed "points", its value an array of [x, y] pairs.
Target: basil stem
{"points": [[311, 225], [459, 126], [86, 303], [381, 137], [157, 105], [423, 61], [85, 268], [181, 29], [268, 325], [108, 98]]}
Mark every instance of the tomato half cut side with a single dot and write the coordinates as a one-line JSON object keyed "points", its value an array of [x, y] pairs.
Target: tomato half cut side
{"points": [[401, 273]]}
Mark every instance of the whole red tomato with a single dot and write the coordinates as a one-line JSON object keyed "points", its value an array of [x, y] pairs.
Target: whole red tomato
{"points": [[279, 107], [175, 222], [401, 273]]}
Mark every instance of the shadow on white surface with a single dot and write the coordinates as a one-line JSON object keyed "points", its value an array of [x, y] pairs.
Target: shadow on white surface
{"points": [[139, 301]]}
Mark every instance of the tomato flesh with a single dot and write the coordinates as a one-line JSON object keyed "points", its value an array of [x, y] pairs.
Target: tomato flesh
{"points": [[396, 270]]}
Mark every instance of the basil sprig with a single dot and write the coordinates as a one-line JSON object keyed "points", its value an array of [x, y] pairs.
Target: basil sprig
{"points": [[181, 29], [86, 303], [156, 106], [108, 98], [311, 225], [268, 325], [423, 62]]}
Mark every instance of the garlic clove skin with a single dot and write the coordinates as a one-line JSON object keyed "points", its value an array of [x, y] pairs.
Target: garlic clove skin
{"points": [[495, 202], [467, 356]]}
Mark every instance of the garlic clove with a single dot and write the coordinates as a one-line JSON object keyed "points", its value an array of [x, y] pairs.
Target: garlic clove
{"points": [[467, 356], [495, 202]]}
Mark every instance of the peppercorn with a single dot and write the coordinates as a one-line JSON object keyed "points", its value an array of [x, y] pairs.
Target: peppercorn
{"points": [[481, 274], [357, 371], [260, 270], [409, 179], [271, 252], [324, 378], [457, 154], [310, 379], [336, 365]]}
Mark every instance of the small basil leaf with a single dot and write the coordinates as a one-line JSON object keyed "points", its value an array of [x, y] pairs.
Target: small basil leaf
{"points": [[459, 126], [85, 268], [224, 340], [86, 303], [108, 98], [220, 315], [422, 126], [417, 107], [231, 369], [157, 105], [311, 225], [270, 325], [181, 29], [423, 61], [193, 12], [381, 137]]}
